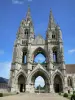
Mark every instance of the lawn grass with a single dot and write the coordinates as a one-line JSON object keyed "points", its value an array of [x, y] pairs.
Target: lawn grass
{"points": [[8, 94]]}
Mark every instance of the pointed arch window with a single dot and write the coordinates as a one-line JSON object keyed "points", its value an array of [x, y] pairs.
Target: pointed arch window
{"points": [[55, 55], [26, 33], [69, 81], [53, 36], [24, 58]]}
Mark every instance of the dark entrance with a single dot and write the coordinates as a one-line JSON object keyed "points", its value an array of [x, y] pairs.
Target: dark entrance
{"points": [[22, 88], [57, 88], [21, 83], [58, 84]]}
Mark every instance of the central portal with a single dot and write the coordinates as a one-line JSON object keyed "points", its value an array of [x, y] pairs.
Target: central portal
{"points": [[42, 87]]}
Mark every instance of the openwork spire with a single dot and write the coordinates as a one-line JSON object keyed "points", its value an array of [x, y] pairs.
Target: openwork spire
{"points": [[28, 16], [51, 20]]}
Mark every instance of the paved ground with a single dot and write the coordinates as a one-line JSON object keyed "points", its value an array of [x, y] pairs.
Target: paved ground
{"points": [[41, 96]]}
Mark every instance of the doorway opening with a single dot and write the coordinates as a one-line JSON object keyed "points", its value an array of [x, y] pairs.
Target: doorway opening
{"points": [[58, 84], [21, 83], [40, 82]]}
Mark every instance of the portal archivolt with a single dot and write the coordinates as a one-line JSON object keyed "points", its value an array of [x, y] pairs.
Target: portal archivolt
{"points": [[43, 75]]}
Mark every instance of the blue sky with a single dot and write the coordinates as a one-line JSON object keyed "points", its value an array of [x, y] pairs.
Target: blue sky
{"points": [[13, 11]]}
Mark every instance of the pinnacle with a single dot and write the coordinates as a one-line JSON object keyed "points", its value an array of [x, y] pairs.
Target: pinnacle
{"points": [[51, 16], [51, 20], [28, 16]]}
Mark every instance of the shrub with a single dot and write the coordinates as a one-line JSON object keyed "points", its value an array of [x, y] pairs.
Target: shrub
{"points": [[65, 95], [73, 92], [59, 93], [1, 94], [73, 97], [17, 93]]}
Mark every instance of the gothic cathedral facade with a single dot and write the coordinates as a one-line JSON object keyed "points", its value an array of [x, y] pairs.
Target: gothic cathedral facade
{"points": [[24, 70]]}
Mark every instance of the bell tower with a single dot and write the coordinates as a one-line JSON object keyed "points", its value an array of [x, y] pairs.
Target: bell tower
{"points": [[55, 48], [21, 51], [55, 42]]}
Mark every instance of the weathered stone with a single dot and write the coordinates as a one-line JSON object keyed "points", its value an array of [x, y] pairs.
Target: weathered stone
{"points": [[53, 71]]}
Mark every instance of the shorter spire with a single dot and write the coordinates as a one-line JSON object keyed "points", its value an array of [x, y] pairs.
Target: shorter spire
{"points": [[51, 20], [28, 16]]}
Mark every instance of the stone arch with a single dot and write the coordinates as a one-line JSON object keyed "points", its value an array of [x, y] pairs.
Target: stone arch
{"points": [[21, 72], [70, 81], [21, 81], [58, 81], [39, 72], [39, 50]]}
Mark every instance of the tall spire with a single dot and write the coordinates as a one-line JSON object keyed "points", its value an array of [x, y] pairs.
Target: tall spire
{"points": [[28, 16], [51, 20]]}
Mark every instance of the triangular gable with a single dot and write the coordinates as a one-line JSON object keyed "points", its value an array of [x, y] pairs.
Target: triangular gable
{"points": [[39, 40]]}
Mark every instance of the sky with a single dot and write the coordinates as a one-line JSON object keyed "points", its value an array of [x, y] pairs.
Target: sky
{"points": [[13, 11]]}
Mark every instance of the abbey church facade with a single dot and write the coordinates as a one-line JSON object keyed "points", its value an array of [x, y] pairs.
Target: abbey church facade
{"points": [[58, 76]]}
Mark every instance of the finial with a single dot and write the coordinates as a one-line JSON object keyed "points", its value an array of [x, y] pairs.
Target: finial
{"points": [[57, 26], [50, 11]]}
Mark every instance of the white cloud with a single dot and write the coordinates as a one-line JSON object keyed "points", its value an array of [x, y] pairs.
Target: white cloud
{"points": [[5, 69], [18, 1], [71, 51], [29, 0], [1, 52]]}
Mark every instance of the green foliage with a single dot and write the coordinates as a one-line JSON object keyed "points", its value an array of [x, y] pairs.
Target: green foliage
{"points": [[41, 88], [73, 92], [65, 95], [73, 97], [17, 93], [59, 93], [1, 94]]}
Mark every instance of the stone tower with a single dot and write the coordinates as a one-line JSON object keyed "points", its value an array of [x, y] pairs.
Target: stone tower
{"points": [[24, 70]]}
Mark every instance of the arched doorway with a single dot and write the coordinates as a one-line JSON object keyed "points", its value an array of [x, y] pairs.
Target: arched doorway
{"points": [[45, 87], [21, 83], [58, 84]]}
